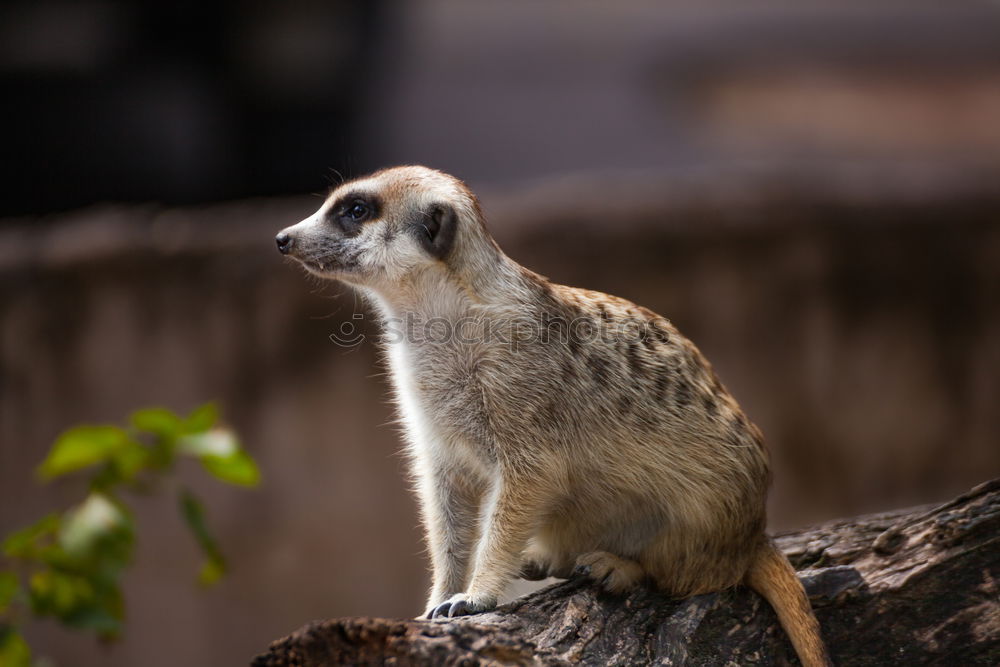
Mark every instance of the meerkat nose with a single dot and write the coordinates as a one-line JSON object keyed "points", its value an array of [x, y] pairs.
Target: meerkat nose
{"points": [[284, 242]]}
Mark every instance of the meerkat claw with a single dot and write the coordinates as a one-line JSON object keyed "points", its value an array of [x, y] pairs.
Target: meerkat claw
{"points": [[460, 605], [460, 608], [440, 611]]}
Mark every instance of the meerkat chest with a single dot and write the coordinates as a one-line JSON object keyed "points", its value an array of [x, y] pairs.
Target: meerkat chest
{"points": [[441, 396]]}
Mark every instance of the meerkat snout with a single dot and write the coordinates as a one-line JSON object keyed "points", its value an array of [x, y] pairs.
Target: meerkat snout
{"points": [[284, 242]]}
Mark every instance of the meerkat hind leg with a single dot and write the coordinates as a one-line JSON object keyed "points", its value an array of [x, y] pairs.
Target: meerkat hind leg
{"points": [[614, 573], [533, 570], [541, 560], [537, 569]]}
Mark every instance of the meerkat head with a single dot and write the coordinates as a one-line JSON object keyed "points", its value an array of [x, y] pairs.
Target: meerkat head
{"points": [[381, 230]]}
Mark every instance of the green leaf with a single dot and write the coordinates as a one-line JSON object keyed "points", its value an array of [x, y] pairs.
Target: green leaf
{"points": [[104, 614], [130, 460], [14, 651], [238, 468], [125, 466], [211, 572], [81, 447], [159, 421], [202, 418], [78, 601], [76, 560], [194, 515], [193, 512], [79, 580], [219, 442], [9, 587], [25, 543], [59, 593], [222, 456], [92, 525]]}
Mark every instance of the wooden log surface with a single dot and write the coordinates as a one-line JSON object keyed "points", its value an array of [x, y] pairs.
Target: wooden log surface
{"points": [[919, 586]]}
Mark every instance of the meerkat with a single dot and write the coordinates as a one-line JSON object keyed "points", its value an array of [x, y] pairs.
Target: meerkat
{"points": [[551, 430]]}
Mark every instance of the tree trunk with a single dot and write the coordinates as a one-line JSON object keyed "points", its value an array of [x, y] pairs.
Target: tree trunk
{"points": [[911, 587]]}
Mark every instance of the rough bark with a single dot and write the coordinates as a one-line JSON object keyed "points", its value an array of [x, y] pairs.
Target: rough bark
{"points": [[911, 587]]}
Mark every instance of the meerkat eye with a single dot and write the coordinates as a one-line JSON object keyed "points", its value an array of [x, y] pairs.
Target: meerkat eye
{"points": [[352, 211], [358, 211]]}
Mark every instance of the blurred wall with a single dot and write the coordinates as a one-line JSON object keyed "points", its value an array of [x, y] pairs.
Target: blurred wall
{"points": [[811, 193], [508, 92]]}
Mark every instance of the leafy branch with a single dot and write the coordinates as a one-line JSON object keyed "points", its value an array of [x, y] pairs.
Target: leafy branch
{"points": [[69, 566]]}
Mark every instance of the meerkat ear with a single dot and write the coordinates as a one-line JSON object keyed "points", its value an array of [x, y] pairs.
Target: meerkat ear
{"points": [[436, 230]]}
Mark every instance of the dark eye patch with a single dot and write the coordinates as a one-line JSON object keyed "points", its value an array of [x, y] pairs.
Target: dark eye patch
{"points": [[353, 209]]}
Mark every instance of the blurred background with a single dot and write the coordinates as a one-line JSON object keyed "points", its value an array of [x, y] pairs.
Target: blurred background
{"points": [[810, 192]]}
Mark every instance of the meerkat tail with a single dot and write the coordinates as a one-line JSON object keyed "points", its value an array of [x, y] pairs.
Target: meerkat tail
{"points": [[773, 577]]}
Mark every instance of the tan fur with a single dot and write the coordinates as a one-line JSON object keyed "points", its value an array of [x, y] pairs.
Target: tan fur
{"points": [[772, 576], [547, 449]]}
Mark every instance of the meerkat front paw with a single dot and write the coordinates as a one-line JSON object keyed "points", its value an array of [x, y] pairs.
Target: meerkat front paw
{"points": [[463, 605], [615, 574]]}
